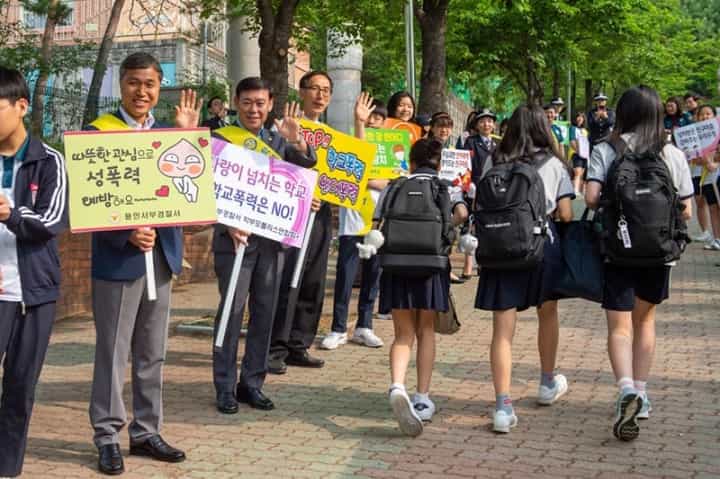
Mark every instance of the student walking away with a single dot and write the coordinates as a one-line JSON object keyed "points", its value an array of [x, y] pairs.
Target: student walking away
{"points": [[521, 258], [709, 187], [262, 264], [298, 310], [579, 163], [350, 223], [216, 106], [127, 324], [600, 120], [417, 216], [642, 188], [30, 219]]}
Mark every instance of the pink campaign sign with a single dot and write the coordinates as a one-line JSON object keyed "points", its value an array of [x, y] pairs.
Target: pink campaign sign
{"points": [[266, 196], [699, 139]]}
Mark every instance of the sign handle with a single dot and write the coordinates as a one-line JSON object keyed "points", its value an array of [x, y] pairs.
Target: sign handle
{"points": [[150, 276], [303, 251], [229, 296]]}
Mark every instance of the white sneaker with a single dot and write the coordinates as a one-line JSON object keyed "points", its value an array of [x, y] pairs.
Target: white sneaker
{"points": [[547, 396], [502, 421], [384, 317], [713, 245], [408, 420], [424, 408], [703, 237], [366, 337], [333, 340]]}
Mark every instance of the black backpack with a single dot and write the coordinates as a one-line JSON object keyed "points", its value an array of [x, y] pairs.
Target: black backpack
{"points": [[640, 213], [417, 226], [510, 220]]}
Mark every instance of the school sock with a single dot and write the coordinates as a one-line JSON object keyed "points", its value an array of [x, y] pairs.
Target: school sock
{"points": [[548, 379], [641, 387], [422, 397], [626, 384], [503, 403]]}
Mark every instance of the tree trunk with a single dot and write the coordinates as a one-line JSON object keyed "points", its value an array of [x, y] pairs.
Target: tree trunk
{"points": [[46, 47], [91, 105], [432, 18], [274, 40], [588, 94]]}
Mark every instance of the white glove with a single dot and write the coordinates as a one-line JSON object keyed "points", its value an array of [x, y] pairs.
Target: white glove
{"points": [[371, 244], [467, 244]]}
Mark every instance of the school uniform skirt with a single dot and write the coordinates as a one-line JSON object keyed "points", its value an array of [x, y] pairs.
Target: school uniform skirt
{"points": [[402, 292], [499, 289]]}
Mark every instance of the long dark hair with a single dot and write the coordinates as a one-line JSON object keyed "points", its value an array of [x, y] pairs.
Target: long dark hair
{"points": [[640, 111], [394, 101], [527, 138]]}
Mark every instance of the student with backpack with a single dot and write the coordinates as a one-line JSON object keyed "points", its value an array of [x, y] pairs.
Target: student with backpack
{"points": [[519, 250], [642, 189], [417, 218]]}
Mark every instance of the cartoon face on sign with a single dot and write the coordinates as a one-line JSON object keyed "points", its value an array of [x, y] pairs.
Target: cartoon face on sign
{"points": [[183, 162]]}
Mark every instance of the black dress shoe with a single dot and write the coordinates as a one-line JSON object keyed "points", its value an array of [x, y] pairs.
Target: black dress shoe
{"points": [[226, 403], [277, 366], [157, 448], [304, 360], [254, 398], [110, 460]]}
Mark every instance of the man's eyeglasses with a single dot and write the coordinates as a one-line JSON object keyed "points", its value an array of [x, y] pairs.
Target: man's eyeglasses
{"points": [[318, 89]]}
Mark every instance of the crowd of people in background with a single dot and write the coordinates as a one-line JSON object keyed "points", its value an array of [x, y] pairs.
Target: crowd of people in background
{"points": [[283, 320]]}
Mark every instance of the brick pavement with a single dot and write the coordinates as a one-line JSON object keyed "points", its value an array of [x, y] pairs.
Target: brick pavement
{"points": [[335, 422]]}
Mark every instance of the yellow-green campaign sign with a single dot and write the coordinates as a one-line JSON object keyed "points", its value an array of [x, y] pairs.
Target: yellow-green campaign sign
{"points": [[343, 165], [393, 152], [128, 179]]}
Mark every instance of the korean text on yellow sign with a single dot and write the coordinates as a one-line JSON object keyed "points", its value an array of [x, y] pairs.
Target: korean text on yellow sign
{"points": [[343, 166], [129, 179]]}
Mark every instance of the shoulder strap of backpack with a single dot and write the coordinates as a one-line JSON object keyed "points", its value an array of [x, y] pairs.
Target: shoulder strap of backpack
{"points": [[618, 145], [438, 187]]}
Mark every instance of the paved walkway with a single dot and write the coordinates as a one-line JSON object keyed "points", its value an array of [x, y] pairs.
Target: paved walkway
{"points": [[335, 422]]}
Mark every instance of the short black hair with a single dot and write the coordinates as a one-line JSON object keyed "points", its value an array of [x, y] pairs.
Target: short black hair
{"points": [[305, 80], [253, 84], [13, 86], [394, 101], [140, 61], [691, 94], [426, 152], [211, 100], [380, 108]]}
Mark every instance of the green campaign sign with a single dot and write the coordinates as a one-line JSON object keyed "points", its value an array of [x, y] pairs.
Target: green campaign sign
{"points": [[393, 152]]}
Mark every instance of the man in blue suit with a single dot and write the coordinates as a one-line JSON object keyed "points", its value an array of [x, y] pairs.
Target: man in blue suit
{"points": [[126, 322]]}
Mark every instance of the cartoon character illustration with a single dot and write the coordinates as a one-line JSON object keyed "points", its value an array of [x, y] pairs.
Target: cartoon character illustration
{"points": [[183, 162], [463, 180], [399, 153]]}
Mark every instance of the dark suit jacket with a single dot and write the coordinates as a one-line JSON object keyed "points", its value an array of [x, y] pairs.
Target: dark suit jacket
{"points": [[114, 258], [214, 123], [222, 243], [479, 155]]}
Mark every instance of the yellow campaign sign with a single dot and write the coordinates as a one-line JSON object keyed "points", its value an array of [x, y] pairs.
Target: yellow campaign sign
{"points": [[128, 179], [343, 165]]}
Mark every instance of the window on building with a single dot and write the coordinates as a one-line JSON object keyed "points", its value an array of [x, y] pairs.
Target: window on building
{"points": [[33, 20]]}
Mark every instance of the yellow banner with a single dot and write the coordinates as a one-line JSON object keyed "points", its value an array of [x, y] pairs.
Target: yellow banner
{"points": [[241, 137], [343, 166], [128, 179]]}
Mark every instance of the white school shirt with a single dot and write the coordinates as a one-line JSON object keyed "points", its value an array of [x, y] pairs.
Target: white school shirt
{"points": [[11, 286], [603, 156], [557, 183]]}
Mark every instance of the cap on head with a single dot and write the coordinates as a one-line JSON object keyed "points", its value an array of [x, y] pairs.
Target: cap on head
{"points": [[557, 101], [600, 96], [485, 113]]}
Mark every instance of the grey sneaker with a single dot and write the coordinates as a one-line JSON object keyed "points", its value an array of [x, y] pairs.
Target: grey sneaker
{"points": [[424, 408], [646, 409], [407, 418], [627, 408]]}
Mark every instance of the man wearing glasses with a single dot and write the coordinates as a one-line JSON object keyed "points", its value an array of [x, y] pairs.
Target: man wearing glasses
{"points": [[298, 311]]}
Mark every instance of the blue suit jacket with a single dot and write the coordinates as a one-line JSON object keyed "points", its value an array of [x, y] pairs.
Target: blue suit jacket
{"points": [[114, 258]]}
